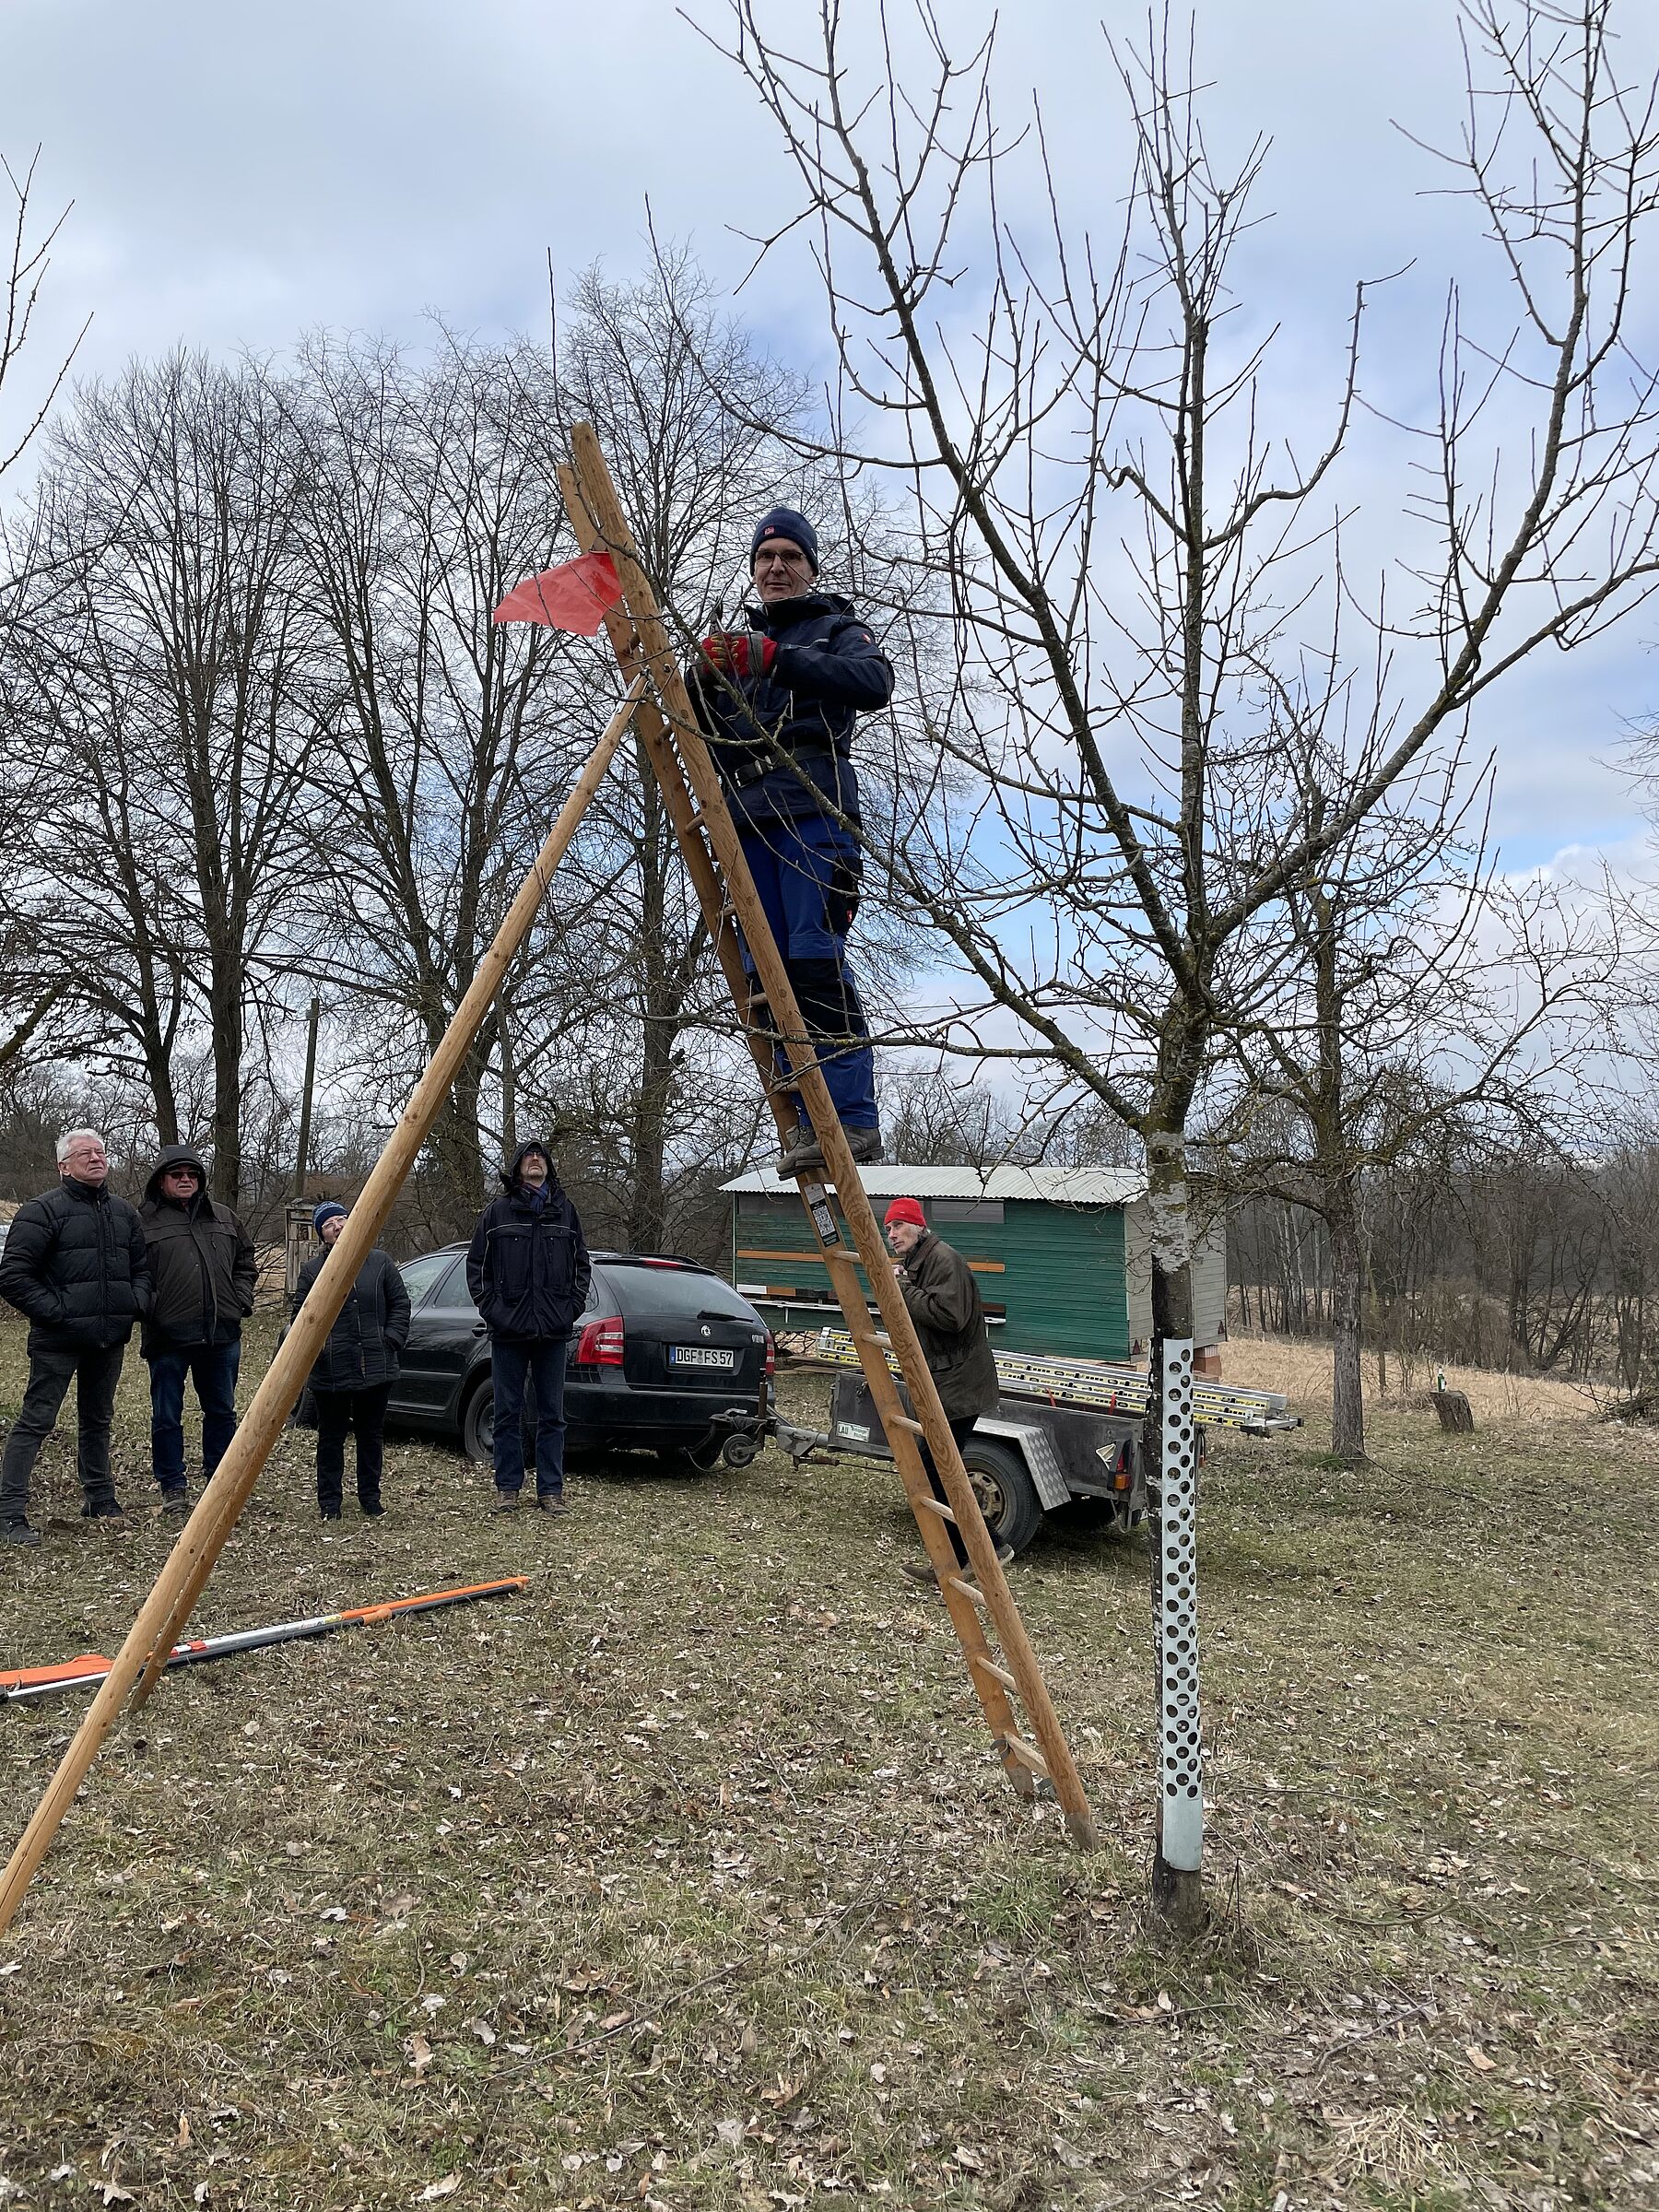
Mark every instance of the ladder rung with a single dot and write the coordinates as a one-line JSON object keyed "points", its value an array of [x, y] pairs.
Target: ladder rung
{"points": [[902, 1420], [1025, 1753], [873, 1336], [937, 1505], [987, 1666], [971, 1591]]}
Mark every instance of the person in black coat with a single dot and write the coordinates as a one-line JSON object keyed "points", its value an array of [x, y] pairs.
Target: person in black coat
{"points": [[778, 702], [355, 1370], [527, 1270], [205, 1270], [75, 1261]]}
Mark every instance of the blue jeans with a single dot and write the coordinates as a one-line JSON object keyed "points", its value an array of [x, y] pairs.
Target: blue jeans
{"points": [[542, 1358], [213, 1369], [805, 870]]}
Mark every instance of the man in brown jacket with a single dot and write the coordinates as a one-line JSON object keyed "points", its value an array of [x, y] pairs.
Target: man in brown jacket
{"points": [[943, 1300]]}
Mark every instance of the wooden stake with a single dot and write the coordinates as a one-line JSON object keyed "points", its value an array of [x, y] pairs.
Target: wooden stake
{"points": [[143, 1656]]}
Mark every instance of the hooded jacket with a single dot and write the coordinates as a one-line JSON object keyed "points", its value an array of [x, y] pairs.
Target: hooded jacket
{"points": [[943, 1300], [371, 1329], [782, 742], [75, 1261], [203, 1261], [528, 1267]]}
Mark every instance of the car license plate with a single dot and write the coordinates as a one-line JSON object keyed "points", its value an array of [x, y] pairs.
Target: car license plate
{"points": [[700, 1355]]}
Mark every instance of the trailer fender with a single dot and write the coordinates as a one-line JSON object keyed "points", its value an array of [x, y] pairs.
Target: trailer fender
{"points": [[1041, 1462]]}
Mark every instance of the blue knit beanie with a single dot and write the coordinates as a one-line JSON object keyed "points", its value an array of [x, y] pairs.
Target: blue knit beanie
{"points": [[325, 1212], [783, 522]]}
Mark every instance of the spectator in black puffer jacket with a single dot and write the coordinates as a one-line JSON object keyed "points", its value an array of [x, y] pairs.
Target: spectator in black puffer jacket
{"points": [[528, 1273], [75, 1261], [205, 1270], [357, 1367]]}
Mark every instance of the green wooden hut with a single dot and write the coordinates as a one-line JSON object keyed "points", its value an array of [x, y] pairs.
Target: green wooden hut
{"points": [[1061, 1254]]}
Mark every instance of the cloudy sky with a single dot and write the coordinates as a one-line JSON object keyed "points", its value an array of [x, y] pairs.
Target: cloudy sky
{"points": [[239, 175]]}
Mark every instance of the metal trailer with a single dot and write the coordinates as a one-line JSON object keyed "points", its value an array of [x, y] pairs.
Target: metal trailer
{"points": [[1065, 1429]]}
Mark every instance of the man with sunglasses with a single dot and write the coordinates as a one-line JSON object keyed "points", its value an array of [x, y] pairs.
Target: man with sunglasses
{"points": [[205, 1270], [777, 702]]}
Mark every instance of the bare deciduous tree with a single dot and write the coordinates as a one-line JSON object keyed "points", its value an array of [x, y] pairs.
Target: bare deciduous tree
{"points": [[1147, 588]]}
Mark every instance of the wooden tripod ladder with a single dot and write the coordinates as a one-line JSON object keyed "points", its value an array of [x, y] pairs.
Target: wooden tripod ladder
{"points": [[977, 1598]]}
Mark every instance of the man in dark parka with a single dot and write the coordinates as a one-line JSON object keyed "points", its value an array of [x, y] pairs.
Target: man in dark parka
{"points": [[527, 1270], [205, 1270], [943, 1300], [75, 1263]]}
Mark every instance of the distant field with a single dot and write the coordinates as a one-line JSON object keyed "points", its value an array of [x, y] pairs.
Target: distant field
{"points": [[690, 1881]]}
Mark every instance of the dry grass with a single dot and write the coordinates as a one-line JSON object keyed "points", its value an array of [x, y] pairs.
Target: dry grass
{"points": [[1303, 1372], [688, 1880]]}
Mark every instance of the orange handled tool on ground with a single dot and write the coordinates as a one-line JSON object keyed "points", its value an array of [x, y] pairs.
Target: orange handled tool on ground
{"points": [[27, 1682]]}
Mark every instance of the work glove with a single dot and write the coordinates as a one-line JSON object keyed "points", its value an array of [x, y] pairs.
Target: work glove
{"points": [[740, 652]]}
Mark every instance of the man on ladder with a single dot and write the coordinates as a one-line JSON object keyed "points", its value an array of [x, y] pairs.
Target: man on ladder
{"points": [[777, 702]]}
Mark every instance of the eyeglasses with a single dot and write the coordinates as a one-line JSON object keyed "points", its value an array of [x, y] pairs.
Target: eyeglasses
{"points": [[790, 560], [183, 1175]]}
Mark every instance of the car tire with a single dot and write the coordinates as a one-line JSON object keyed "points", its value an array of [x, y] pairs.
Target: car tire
{"points": [[1007, 1496], [477, 1425]]}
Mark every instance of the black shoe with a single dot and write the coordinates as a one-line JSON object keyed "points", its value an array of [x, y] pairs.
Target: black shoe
{"points": [[805, 1154], [328, 1512], [506, 1502], [104, 1509], [371, 1508], [19, 1532], [175, 1506]]}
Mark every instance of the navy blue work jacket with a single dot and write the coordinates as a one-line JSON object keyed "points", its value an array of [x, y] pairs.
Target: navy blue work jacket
{"points": [[783, 742]]}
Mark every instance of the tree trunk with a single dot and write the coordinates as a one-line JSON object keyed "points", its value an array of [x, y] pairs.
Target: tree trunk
{"points": [[1172, 1476], [1347, 1282], [648, 1203], [227, 1009]]}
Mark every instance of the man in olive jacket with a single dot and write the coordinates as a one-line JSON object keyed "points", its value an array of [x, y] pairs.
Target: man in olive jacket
{"points": [[205, 1270], [75, 1261], [943, 1300], [528, 1273]]}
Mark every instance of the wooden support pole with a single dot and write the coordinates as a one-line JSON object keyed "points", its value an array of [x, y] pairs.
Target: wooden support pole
{"points": [[655, 649], [142, 1657]]}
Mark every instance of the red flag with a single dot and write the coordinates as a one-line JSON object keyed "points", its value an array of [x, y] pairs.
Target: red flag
{"points": [[576, 597]]}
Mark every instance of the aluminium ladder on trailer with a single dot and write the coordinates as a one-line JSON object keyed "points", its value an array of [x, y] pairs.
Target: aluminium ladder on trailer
{"points": [[1101, 1387], [976, 1597]]}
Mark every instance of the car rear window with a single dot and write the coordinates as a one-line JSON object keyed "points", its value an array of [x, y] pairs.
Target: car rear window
{"points": [[641, 1288]]}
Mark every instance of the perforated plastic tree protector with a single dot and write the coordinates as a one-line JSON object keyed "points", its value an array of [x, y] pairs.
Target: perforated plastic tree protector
{"points": [[1176, 1618]]}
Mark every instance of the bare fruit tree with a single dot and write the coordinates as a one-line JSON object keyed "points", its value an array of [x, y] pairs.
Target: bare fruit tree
{"points": [[1435, 1009], [1146, 577]]}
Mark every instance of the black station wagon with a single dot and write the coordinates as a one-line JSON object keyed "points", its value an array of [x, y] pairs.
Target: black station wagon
{"points": [[665, 1357]]}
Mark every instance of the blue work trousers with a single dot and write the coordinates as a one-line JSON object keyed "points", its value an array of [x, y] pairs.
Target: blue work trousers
{"points": [[213, 1369], [805, 869], [542, 1361]]}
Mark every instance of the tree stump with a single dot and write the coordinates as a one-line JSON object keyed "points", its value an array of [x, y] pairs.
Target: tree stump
{"points": [[1456, 1415]]}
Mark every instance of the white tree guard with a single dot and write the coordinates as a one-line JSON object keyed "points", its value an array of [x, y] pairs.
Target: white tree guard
{"points": [[1175, 1622]]}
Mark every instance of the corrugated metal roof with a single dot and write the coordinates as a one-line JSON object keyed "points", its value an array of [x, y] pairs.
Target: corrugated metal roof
{"points": [[1053, 1186]]}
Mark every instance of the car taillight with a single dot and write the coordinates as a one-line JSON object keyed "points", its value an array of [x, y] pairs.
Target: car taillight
{"points": [[771, 1355], [1123, 1480], [600, 1343]]}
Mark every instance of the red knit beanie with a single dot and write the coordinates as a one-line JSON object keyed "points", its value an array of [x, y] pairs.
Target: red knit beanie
{"points": [[906, 1209]]}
